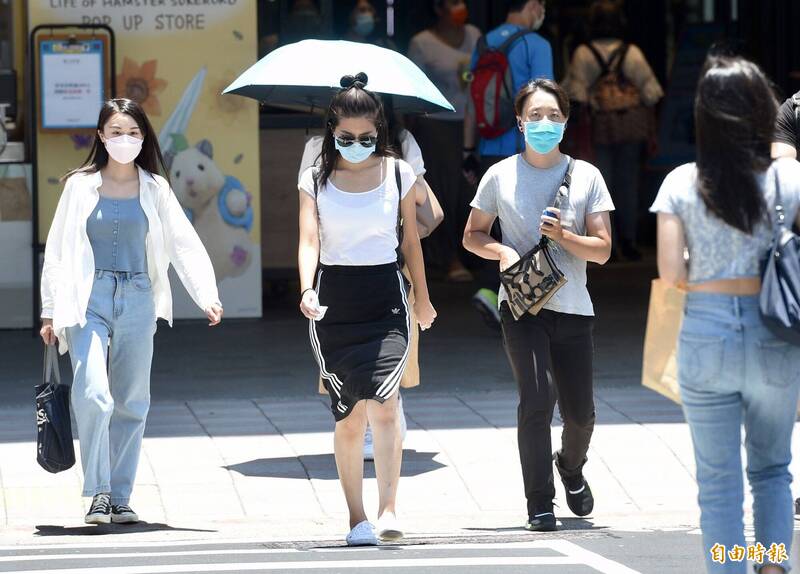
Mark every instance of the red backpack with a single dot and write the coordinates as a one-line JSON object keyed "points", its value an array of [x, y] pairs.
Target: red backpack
{"points": [[492, 88]]}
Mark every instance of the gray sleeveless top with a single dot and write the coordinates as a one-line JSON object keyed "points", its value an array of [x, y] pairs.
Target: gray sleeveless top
{"points": [[117, 230]]}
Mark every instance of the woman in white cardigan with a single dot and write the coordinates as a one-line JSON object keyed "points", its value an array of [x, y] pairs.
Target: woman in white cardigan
{"points": [[117, 228]]}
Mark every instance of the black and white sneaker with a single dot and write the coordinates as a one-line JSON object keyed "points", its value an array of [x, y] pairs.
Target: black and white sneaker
{"points": [[123, 514], [543, 519], [100, 511], [579, 496]]}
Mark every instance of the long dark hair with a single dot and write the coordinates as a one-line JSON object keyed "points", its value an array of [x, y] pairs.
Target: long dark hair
{"points": [[150, 158], [352, 101], [735, 110]]}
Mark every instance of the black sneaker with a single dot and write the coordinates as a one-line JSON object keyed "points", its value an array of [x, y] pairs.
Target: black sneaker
{"points": [[100, 511], [543, 519], [123, 514], [579, 496]]}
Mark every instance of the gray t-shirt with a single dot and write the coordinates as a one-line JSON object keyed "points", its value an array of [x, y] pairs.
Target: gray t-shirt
{"points": [[716, 249], [517, 193]]}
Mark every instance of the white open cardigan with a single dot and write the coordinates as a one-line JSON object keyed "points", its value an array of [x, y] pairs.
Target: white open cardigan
{"points": [[68, 273]]}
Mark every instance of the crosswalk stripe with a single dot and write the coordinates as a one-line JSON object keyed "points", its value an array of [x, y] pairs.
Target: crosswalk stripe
{"points": [[176, 554], [320, 565], [572, 554]]}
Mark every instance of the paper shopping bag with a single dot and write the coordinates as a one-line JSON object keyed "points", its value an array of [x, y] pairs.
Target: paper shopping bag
{"points": [[664, 319]]}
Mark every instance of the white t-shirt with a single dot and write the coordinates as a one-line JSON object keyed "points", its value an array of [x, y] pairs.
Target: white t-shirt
{"points": [[445, 66], [359, 228], [410, 150]]}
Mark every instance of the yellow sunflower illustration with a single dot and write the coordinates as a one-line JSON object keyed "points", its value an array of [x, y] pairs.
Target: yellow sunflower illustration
{"points": [[140, 84]]}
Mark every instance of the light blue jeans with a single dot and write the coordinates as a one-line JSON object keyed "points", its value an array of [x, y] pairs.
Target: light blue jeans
{"points": [[111, 399], [732, 371]]}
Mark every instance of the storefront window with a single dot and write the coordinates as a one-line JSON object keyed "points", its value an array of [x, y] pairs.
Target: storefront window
{"points": [[6, 35]]}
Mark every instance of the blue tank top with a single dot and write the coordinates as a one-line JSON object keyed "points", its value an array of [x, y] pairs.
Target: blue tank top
{"points": [[117, 230]]}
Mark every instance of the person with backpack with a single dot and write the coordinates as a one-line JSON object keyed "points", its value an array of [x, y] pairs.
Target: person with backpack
{"points": [[504, 60], [612, 77], [443, 52]]}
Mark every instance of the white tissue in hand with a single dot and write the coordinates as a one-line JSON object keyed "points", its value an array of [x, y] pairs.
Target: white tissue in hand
{"points": [[321, 310]]}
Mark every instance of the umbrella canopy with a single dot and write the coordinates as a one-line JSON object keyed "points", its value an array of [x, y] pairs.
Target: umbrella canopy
{"points": [[308, 73]]}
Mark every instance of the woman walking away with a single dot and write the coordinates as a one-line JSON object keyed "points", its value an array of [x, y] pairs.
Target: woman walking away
{"points": [[355, 297], [551, 352], [731, 369], [117, 228]]}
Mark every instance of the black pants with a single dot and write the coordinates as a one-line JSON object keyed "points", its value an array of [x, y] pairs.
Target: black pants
{"points": [[551, 357]]}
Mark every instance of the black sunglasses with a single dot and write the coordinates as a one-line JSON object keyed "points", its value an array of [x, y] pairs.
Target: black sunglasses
{"points": [[365, 141]]}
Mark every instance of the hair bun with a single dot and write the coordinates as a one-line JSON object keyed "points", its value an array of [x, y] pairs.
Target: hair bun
{"points": [[359, 81]]}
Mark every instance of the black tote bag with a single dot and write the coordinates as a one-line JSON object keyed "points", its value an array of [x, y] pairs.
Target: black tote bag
{"points": [[779, 300], [54, 449]]}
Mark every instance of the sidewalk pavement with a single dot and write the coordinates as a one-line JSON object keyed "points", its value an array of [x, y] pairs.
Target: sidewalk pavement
{"points": [[264, 468]]}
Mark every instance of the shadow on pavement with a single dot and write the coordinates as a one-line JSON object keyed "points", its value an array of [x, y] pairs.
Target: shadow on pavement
{"points": [[101, 529], [566, 525], [323, 466]]}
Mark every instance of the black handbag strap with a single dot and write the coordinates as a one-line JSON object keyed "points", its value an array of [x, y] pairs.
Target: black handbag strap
{"points": [[51, 368], [562, 194]]}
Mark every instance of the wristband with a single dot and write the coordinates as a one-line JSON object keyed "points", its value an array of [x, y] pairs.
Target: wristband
{"points": [[469, 149], [305, 291]]}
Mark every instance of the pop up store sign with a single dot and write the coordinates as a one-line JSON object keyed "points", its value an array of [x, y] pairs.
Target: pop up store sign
{"points": [[143, 16]]}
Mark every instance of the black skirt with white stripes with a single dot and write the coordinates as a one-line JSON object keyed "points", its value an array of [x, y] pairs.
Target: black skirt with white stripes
{"points": [[361, 344]]}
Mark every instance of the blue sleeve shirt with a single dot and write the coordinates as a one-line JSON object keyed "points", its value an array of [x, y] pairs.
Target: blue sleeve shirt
{"points": [[530, 57]]}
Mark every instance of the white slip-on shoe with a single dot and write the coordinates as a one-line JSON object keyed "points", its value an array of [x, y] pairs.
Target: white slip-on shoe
{"points": [[369, 449], [388, 528], [362, 534]]}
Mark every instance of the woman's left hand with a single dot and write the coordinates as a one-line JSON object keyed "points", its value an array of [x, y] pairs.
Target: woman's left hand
{"points": [[551, 226], [214, 314], [425, 314]]}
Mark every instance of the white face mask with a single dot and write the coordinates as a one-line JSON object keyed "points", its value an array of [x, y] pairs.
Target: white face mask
{"points": [[537, 24], [124, 149]]}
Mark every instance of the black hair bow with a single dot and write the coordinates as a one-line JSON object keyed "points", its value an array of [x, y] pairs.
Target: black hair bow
{"points": [[358, 81]]}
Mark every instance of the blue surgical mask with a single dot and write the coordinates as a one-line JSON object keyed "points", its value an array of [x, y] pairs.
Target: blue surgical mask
{"points": [[543, 136], [355, 153], [365, 24]]}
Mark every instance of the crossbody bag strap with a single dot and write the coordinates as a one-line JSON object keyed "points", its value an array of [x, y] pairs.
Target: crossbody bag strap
{"points": [[399, 181], [780, 212], [562, 193], [563, 190]]}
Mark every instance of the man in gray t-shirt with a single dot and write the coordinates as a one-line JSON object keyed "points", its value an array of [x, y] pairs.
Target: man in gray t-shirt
{"points": [[517, 193]]}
